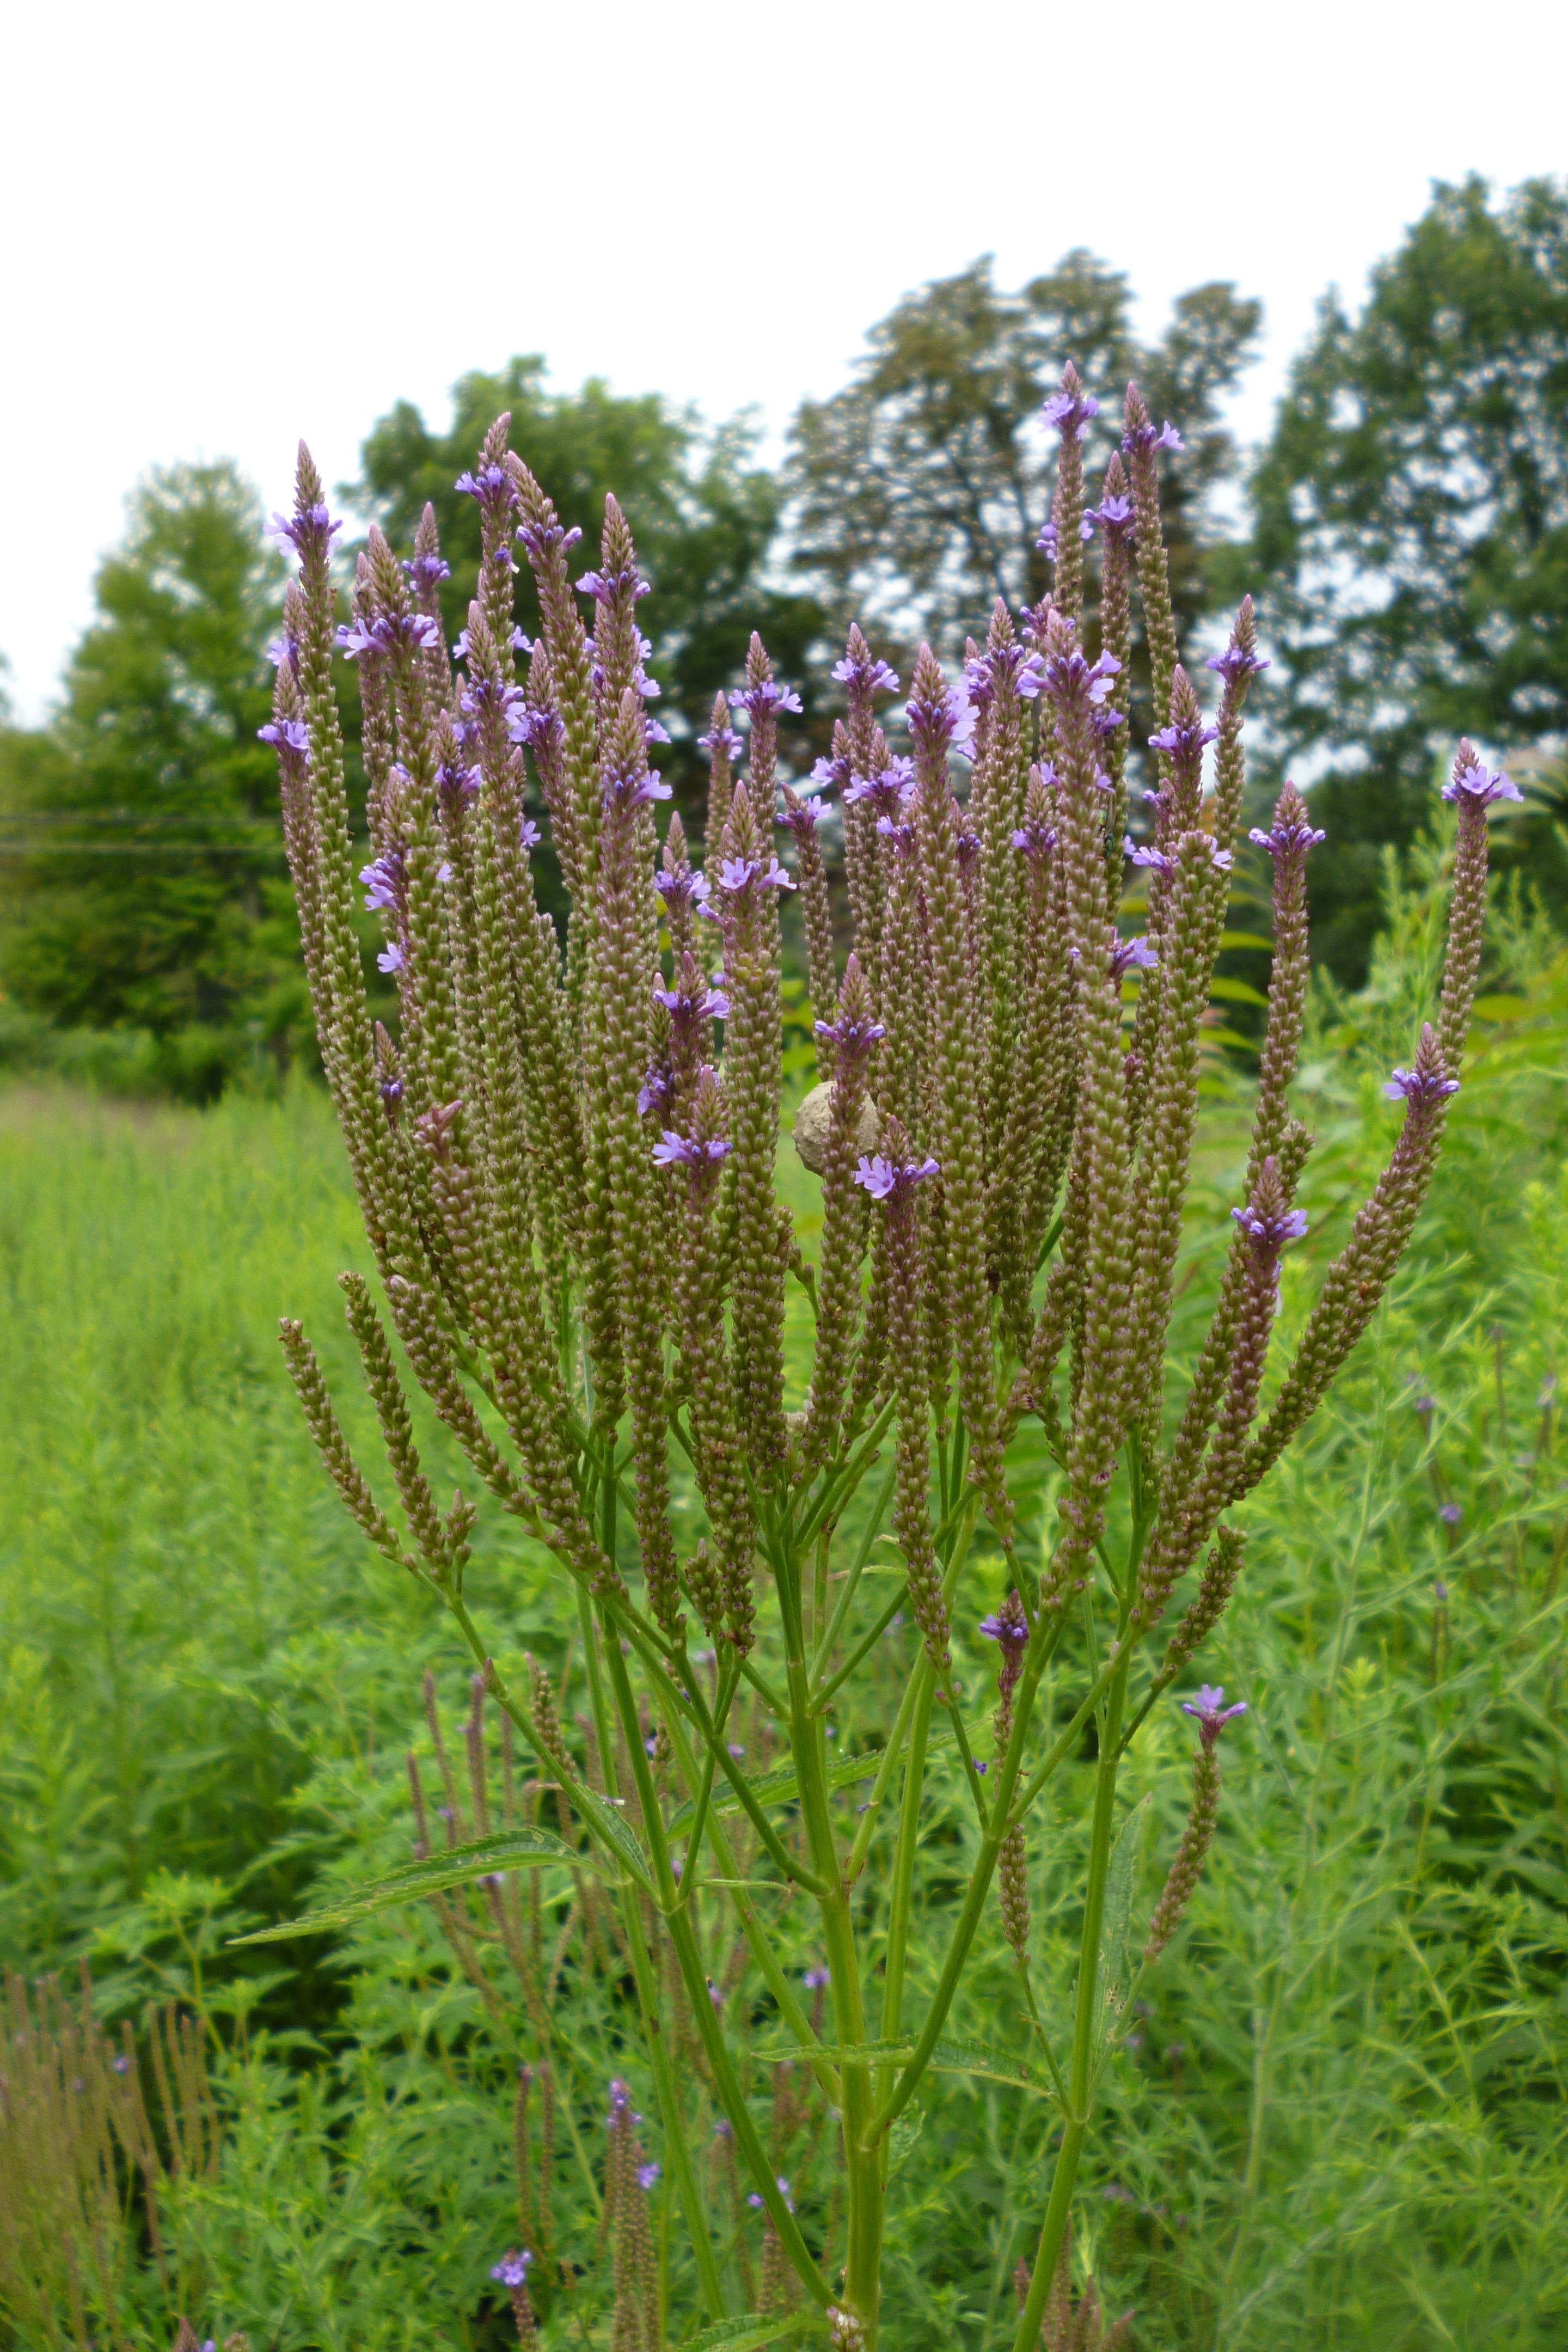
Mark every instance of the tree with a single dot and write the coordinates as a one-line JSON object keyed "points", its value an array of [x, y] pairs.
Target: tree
{"points": [[704, 516], [149, 890], [919, 492], [1411, 538]]}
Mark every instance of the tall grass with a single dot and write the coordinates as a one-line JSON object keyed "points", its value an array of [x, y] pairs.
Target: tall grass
{"points": [[1340, 2122]]}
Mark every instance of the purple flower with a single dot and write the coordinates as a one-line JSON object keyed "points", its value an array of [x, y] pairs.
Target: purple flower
{"points": [[681, 889], [815, 1980], [888, 1179], [1004, 665], [282, 648], [513, 2269], [384, 880], [688, 1151], [723, 2128], [1115, 517], [312, 528], [867, 677], [1182, 742], [852, 1036], [456, 783], [426, 571], [1451, 1514], [542, 539], [944, 722], [604, 586], [535, 724], [528, 834], [635, 788], [1271, 1232], [391, 1091], [620, 2097], [887, 790], [715, 1994], [389, 633], [1146, 855], [1013, 1634], [1069, 412], [1211, 1711], [1145, 436], [1237, 662], [738, 874], [123, 2064], [1286, 840], [647, 2176], [1046, 542], [1420, 1086], [900, 838], [725, 740], [766, 696], [1133, 955], [756, 2201], [492, 486], [736, 1750], [390, 959], [654, 1088], [1036, 840], [1473, 781], [1439, 1591], [653, 732], [289, 734], [483, 694]]}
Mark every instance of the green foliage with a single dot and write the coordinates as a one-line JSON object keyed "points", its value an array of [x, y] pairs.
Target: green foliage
{"points": [[703, 513], [1333, 2114], [146, 890], [1417, 468], [919, 488]]}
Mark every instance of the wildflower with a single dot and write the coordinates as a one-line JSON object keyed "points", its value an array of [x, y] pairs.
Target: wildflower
{"points": [[1138, 439], [705, 1004], [1070, 410], [513, 2269], [288, 734], [603, 586], [764, 696], [647, 2176], [390, 959], [688, 1151], [634, 788], [1046, 542], [886, 1180], [738, 874], [1420, 1086], [492, 486], [851, 1036], [1115, 517], [1211, 1711], [1451, 1514], [1137, 954], [1472, 780], [1182, 742], [426, 571], [1237, 662], [866, 676], [310, 531], [815, 1980], [725, 740], [1287, 838]]}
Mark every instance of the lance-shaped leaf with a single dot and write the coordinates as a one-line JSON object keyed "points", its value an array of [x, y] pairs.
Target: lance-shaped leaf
{"points": [[745, 2335], [782, 1786], [952, 2055], [1115, 1973], [522, 1849]]}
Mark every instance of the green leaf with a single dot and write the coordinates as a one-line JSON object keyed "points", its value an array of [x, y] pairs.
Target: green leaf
{"points": [[1116, 1921], [902, 2138], [1500, 1008], [745, 2335], [841, 2054], [1235, 991], [524, 1849], [1246, 940], [782, 1786], [950, 2057]]}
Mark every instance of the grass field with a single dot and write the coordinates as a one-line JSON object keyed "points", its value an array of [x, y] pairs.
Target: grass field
{"points": [[1342, 2122]]}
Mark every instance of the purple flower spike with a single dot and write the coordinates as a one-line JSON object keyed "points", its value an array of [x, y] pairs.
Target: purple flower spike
{"points": [[707, 1005], [1212, 1712], [1420, 1086], [1146, 856], [1271, 1232], [1115, 517], [312, 528], [688, 1151], [1451, 1514], [867, 677], [1473, 781], [815, 1980], [1012, 1632], [647, 2176], [426, 571], [603, 586], [542, 539], [1035, 840], [390, 632], [727, 740], [888, 1179], [738, 874], [1182, 742], [852, 1036], [1145, 436], [1237, 662], [1287, 840], [681, 889], [767, 695], [1069, 412], [513, 2269], [827, 773], [629, 791], [491, 486]]}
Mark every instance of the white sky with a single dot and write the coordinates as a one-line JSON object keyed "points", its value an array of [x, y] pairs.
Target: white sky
{"points": [[225, 225]]}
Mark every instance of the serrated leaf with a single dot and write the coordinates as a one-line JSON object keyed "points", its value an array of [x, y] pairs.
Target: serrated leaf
{"points": [[743, 2335], [523, 1849]]}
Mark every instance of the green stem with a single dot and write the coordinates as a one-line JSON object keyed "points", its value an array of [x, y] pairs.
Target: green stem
{"points": [[904, 1865], [1086, 2022], [857, 1569]]}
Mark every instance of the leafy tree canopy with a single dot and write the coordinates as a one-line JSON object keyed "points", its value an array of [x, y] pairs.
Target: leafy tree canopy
{"points": [[919, 492], [1411, 542], [702, 511], [146, 885]]}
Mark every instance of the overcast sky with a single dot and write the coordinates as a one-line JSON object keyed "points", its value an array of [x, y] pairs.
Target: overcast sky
{"points": [[230, 225]]}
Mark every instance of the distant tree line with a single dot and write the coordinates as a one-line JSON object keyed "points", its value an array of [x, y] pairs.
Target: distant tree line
{"points": [[1405, 531]]}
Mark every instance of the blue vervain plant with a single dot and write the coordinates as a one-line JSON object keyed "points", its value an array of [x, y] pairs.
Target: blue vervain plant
{"points": [[566, 1167]]}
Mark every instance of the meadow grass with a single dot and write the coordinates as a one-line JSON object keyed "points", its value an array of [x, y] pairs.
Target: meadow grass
{"points": [[1339, 2118]]}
